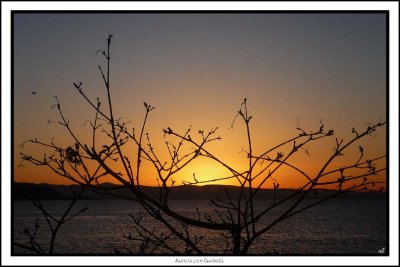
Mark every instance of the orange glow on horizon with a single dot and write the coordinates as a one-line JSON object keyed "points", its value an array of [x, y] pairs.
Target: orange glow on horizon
{"points": [[230, 150]]}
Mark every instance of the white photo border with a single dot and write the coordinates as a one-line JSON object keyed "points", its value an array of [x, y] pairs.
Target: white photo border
{"points": [[8, 7]]}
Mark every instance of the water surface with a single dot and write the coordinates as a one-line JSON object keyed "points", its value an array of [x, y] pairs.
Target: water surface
{"points": [[339, 226]]}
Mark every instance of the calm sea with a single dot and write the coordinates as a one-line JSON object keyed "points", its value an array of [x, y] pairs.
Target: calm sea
{"points": [[339, 226]]}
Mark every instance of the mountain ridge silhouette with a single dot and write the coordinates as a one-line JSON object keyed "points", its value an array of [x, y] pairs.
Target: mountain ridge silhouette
{"points": [[44, 191]]}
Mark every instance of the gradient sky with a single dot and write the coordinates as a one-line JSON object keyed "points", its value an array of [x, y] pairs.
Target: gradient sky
{"points": [[196, 69]]}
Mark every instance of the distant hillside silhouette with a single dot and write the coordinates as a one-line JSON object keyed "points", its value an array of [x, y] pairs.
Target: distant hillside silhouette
{"points": [[30, 191]]}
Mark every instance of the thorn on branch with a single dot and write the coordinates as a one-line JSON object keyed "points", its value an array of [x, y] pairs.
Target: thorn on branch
{"points": [[276, 186], [321, 128], [303, 133], [354, 131], [338, 143], [279, 156], [148, 107], [167, 131], [78, 87], [194, 178], [294, 146]]}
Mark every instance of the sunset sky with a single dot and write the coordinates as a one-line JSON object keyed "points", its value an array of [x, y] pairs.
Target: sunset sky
{"points": [[196, 69]]}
